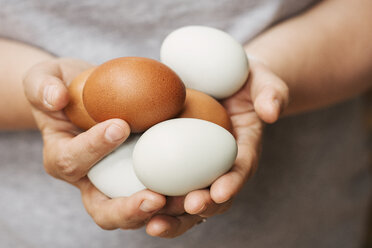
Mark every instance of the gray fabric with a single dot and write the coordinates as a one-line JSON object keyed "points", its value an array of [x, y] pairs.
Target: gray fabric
{"points": [[311, 190], [100, 30], [312, 186]]}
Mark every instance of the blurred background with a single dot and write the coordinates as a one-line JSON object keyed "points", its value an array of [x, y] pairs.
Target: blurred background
{"points": [[368, 122]]}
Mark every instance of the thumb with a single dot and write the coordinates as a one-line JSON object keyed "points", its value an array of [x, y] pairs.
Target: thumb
{"points": [[269, 93], [71, 158], [44, 88]]}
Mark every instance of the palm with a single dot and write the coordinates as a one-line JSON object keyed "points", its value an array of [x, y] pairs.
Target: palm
{"points": [[260, 100], [247, 128], [58, 132]]}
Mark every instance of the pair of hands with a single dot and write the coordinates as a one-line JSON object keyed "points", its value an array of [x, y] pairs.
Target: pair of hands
{"points": [[70, 153]]}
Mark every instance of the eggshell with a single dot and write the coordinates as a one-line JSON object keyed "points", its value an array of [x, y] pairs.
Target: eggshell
{"points": [[114, 175], [180, 155], [75, 109], [206, 59], [202, 106], [141, 91]]}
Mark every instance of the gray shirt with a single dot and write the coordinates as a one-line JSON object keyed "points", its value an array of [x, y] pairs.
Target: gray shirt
{"points": [[312, 186]]}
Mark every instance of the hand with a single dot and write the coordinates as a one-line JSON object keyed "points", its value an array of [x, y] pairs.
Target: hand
{"points": [[262, 99], [45, 87]]}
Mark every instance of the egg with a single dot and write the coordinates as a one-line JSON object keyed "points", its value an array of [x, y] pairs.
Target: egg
{"points": [[114, 175], [75, 109], [180, 155], [202, 106], [141, 91], [206, 59]]}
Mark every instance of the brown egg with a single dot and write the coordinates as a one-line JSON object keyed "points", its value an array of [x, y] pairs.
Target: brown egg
{"points": [[202, 106], [75, 109], [141, 91]]}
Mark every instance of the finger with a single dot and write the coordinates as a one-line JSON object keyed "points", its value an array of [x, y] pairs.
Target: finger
{"points": [[64, 158], [44, 87], [124, 212], [228, 185], [166, 226], [49, 122], [268, 92], [174, 206], [248, 131], [200, 202]]}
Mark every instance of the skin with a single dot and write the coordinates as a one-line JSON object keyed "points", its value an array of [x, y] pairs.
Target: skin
{"points": [[316, 59]]}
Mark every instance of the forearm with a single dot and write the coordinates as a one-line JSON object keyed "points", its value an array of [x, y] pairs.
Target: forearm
{"points": [[324, 55], [15, 59]]}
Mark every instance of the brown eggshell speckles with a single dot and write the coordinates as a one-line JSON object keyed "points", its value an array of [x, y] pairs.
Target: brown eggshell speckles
{"points": [[75, 109], [141, 91], [202, 106]]}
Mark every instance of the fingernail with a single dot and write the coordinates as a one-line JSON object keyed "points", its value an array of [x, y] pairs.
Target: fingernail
{"points": [[114, 133], [148, 206], [49, 95]]}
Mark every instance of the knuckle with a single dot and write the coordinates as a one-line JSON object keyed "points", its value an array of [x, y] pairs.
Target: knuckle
{"points": [[66, 168], [91, 147], [102, 223], [47, 166], [48, 160], [27, 77], [45, 129], [128, 220], [242, 173]]}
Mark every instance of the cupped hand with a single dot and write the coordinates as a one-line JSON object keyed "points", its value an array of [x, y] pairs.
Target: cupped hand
{"points": [[261, 100], [69, 153]]}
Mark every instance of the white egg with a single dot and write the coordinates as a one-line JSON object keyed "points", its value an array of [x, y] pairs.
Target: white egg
{"points": [[114, 175], [206, 59], [180, 155]]}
